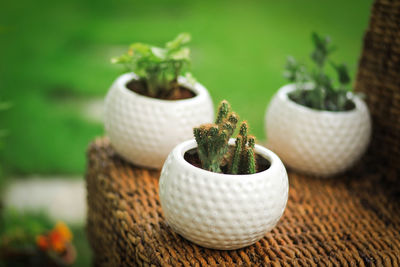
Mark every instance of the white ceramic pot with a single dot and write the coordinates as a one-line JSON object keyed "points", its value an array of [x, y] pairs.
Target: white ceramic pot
{"points": [[222, 211], [321, 143], [144, 130]]}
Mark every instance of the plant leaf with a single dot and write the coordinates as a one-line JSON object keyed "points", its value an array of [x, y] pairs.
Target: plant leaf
{"points": [[180, 40], [159, 53], [342, 72], [125, 58], [139, 48], [189, 77], [182, 54]]}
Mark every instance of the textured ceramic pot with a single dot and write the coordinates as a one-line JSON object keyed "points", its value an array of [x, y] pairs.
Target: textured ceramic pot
{"points": [[144, 130], [322, 143], [221, 211]]}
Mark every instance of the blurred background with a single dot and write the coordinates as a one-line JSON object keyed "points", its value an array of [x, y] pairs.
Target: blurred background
{"points": [[55, 70]]}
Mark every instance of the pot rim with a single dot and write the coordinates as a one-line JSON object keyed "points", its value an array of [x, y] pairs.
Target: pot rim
{"points": [[283, 92], [198, 89], [180, 150]]}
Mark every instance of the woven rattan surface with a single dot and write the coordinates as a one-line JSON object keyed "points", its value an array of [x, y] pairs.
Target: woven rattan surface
{"points": [[353, 220], [379, 78]]}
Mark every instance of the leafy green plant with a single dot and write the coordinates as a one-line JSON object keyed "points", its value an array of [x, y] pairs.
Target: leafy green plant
{"points": [[158, 67], [19, 230], [315, 89], [213, 147], [30, 239]]}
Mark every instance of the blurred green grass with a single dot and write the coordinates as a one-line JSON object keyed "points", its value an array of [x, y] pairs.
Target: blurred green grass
{"points": [[53, 50], [84, 252]]}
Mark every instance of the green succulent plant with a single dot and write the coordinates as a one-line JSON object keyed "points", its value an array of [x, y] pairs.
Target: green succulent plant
{"points": [[324, 94], [158, 67], [213, 144]]}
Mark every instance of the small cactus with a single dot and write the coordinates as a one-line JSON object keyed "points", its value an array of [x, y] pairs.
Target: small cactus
{"points": [[213, 148], [212, 139], [243, 159]]}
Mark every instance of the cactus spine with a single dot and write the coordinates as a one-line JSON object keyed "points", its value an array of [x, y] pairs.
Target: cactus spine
{"points": [[212, 140]]}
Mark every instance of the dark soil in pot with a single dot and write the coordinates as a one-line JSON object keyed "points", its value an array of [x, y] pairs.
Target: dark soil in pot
{"points": [[192, 157], [181, 92]]}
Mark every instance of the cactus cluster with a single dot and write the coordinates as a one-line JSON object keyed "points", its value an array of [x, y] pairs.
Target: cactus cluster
{"points": [[213, 144]]}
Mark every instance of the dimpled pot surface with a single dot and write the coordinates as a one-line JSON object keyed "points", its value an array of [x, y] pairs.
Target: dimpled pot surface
{"points": [[320, 143], [222, 211], [144, 130]]}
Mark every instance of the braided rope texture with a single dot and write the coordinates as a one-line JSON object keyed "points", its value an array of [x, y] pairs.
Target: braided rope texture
{"points": [[379, 78], [351, 220]]}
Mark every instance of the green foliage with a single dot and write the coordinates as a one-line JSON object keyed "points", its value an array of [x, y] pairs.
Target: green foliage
{"points": [[3, 133], [158, 67], [213, 147], [82, 246], [3, 106], [19, 230], [322, 49], [323, 94]]}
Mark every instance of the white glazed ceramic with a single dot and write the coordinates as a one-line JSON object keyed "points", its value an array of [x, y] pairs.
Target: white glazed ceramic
{"points": [[144, 130], [321, 143], [221, 211]]}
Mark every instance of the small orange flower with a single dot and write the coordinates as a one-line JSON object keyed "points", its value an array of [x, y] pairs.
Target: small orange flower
{"points": [[42, 242], [57, 239], [64, 231]]}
